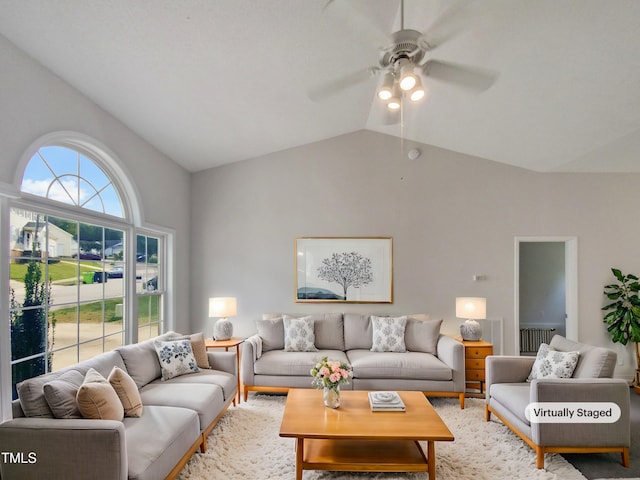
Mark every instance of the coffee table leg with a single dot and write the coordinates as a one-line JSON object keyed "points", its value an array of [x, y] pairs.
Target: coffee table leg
{"points": [[431, 459], [299, 456]]}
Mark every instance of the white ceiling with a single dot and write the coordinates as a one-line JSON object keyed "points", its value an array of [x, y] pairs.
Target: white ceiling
{"points": [[210, 82]]}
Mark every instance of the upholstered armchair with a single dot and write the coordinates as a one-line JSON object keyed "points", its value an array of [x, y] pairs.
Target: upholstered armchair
{"points": [[509, 392]]}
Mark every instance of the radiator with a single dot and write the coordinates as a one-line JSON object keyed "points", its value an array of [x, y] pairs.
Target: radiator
{"points": [[531, 338]]}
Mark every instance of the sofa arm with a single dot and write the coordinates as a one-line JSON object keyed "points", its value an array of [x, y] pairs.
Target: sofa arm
{"points": [[506, 369], [224, 361], [582, 390], [247, 359], [63, 449], [451, 352]]}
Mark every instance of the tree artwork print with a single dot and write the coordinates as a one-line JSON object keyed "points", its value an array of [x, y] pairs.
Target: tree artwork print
{"points": [[347, 269]]}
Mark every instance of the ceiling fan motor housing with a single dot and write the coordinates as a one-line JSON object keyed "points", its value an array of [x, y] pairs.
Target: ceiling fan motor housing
{"points": [[406, 45]]}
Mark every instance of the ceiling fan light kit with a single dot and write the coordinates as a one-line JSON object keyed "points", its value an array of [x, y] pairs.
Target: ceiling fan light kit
{"points": [[405, 64]]}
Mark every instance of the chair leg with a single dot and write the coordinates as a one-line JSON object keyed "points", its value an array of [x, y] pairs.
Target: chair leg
{"points": [[625, 457], [462, 401], [539, 457], [487, 412]]}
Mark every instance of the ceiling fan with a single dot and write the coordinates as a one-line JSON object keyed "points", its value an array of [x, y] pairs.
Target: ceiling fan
{"points": [[405, 62]]}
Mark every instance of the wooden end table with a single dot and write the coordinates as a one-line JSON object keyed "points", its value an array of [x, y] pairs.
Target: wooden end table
{"points": [[226, 344], [475, 353], [353, 438]]}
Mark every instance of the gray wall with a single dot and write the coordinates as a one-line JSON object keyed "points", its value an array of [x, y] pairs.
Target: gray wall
{"points": [[450, 215], [34, 102]]}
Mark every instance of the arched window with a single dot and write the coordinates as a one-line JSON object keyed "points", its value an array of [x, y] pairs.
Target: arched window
{"points": [[84, 278], [68, 176]]}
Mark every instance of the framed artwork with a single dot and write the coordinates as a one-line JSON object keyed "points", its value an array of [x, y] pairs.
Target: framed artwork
{"points": [[343, 269]]}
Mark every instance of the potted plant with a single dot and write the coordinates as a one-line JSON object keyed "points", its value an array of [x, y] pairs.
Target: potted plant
{"points": [[624, 314]]}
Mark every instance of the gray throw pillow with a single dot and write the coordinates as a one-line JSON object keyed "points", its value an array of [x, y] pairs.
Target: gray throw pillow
{"points": [[299, 334], [388, 334], [271, 331], [61, 394], [422, 335]]}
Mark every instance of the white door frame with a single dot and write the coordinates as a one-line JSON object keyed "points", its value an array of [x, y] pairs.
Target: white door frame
{"points": [[571, 284]]}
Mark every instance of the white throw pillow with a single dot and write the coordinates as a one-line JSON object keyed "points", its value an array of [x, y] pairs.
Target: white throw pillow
{"points": [[299, 334], [552, 363], [388, 334], [176, 358]]}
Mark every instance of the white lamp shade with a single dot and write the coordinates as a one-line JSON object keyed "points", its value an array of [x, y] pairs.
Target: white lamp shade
{"points": [[471, 307], [222, 307]]}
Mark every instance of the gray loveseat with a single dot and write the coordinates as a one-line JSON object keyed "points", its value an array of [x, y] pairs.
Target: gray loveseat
{"points": [[508, 393], [432, 363], [177, 415]]}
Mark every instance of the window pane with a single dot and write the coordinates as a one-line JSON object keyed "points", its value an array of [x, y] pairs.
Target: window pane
{"points": [[64, 175]]}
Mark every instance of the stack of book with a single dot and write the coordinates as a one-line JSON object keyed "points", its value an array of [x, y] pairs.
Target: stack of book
{"points": [[386, 402]]}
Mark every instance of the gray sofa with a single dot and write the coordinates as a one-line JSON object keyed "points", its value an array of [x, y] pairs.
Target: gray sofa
{"points": [[508, 393], [432, 363], [177, 415]]}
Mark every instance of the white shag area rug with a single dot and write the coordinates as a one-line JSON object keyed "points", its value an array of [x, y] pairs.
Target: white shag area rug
{"points": [[245, 445]]}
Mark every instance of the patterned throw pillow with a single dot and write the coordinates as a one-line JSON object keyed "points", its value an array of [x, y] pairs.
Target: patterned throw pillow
{"points": [[299, 335], [176, 358], [388, 334], [552, 363]]}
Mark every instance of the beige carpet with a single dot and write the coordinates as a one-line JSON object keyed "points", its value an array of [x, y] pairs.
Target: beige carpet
{"points": [[245, 445]]}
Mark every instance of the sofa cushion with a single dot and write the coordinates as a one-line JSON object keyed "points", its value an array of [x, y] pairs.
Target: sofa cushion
{"points": [[141, 360], [228, 382], [61, 392], [176, 358], [206, 400], [299, 334], [329, 331], [421, 334], [97, 399], [172, 430], [281, 363], [271, 331], [594, 362], [388, 334], [127, 392], [551, 363], [410, 365], [358, 331], [513, 396]]}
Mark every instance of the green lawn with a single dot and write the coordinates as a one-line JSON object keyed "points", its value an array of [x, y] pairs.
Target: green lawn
{"points": [[92, 312], [57, 271]]}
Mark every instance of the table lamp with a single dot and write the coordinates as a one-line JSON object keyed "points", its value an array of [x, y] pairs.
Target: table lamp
{"points": [[471, 308], [222, 307]]}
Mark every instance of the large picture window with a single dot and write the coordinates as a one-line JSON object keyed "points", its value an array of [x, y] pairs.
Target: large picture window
{"points": [[83, 280]]}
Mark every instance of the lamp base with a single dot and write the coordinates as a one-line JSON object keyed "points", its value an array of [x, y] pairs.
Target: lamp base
{"points": [[471, 331], [222, 329]]}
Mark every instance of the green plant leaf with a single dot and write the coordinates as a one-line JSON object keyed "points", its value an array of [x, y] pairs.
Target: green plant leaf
{"points": [[618, 274]]}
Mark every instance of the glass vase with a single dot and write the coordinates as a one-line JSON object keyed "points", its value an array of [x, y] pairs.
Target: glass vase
{"points": [[331, 396]]}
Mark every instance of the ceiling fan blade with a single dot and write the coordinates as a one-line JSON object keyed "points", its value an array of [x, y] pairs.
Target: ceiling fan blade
{"points": [[468, 77], [360, 18], [454, 20], [335, 86]]}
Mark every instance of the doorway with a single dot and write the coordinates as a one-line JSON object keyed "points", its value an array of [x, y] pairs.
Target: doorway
{"points": [[545, 291]]}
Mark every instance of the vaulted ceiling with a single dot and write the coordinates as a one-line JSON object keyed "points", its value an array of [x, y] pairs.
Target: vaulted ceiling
{"points": [[209, 82]]}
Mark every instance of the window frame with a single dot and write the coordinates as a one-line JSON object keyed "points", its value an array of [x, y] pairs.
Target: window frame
{"points": [[131, 224]]}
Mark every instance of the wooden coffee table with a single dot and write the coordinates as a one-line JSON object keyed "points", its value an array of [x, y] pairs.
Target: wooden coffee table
{"points": [[353, 438]]}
